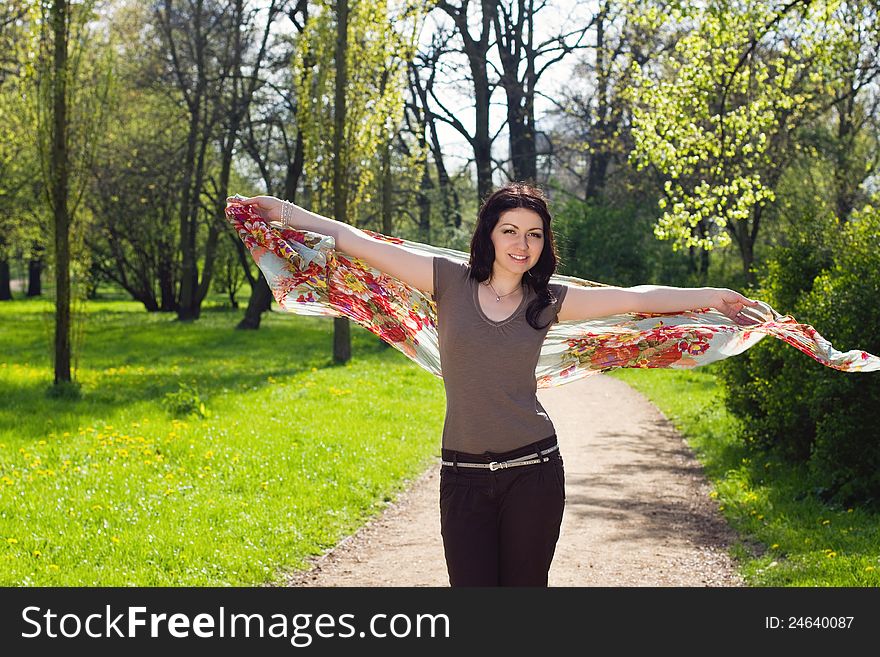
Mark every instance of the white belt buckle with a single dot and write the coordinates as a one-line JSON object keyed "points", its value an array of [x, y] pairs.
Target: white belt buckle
{"points": [[495, 465]]}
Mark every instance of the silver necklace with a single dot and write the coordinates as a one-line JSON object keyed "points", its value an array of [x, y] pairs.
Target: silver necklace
{"points": [[498, 297]]}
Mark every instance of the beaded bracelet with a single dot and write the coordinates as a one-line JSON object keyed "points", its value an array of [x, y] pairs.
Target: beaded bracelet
{"points": [[287, 214]]}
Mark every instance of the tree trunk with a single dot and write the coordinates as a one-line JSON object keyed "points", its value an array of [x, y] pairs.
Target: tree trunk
{"points": [[424, 202], [59, 172], [5, 287], [597, 170], [341, 328], [35, 276], [260, 302], [187, 242]]}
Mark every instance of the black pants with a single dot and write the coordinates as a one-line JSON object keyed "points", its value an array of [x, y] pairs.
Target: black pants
{"points": [[500, 528]]}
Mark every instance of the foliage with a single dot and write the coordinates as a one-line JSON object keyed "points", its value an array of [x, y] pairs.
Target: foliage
{"points": [[612, 243], [20, 182], [185, 401], [794, 407], [132, 190], [714, 115], [380, 44]]}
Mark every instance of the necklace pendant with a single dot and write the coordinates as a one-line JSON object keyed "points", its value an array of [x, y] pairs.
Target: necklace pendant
{"points": [[497, 298]]}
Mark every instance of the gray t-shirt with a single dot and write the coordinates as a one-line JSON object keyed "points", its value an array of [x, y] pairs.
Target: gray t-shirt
{"points": [[488, 366]]}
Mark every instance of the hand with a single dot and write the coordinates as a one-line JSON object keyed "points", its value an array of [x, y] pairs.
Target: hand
{"points": [[735, 306], [268, 207]]}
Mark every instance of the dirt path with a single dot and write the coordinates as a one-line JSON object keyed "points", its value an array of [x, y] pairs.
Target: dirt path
{"points": [[637, 510]]}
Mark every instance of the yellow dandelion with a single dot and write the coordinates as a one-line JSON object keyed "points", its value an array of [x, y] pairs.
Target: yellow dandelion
{"points": [[826, 522], [12, 541], [115, 539], [41, 442], [36, 553], [849, 510], [55, 567], [264, 485], [830, 554], [775, 546], [869, 569]]}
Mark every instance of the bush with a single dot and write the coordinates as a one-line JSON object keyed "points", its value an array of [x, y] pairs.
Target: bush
{"points": [[185, 401], [614, 244], [792, 405]]}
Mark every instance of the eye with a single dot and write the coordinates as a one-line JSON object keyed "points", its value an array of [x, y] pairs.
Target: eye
{"points": [[538, 235]]}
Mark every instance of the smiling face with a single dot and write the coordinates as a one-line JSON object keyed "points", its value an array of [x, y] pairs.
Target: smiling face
{"points": [[518, 238]]}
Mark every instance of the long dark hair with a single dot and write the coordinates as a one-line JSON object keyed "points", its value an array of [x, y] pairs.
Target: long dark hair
{"points": [[510, 196]]}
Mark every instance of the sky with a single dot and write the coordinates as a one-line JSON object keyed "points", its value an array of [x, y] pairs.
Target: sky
{"points": [[557, 16]]}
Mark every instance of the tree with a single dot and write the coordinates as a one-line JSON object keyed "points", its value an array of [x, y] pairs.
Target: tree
{"points": [[365, 81], [17, 154], [523, 62], [476, 49], [717, 115], [274, 143], [208, 44], [71, 83]]}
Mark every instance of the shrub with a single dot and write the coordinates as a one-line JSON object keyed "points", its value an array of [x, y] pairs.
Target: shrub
{"points": [[794, 406], [185, 401]]}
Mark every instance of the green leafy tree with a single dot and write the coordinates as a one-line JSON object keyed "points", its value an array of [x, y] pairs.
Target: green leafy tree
{"points": [[351, 99], [716, 115], [69, 81]]}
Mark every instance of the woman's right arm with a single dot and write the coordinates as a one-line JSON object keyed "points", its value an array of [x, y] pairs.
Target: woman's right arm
{"points": [[414, 269]]}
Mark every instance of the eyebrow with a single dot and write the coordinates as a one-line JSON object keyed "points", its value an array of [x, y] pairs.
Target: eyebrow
{"points": [[507, 223]]}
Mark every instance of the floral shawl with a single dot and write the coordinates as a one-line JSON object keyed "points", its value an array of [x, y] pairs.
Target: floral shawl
{"points": [[308, 276]]}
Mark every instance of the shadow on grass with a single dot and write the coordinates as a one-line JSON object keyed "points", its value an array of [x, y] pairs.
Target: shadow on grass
{"points": [[129, 358]]}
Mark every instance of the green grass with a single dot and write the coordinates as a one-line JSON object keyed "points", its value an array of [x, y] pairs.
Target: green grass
{"points": [[788, 537], [290, 455]]}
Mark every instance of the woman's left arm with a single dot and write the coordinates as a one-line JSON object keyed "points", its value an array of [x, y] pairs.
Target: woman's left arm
{"points": [[587, 303]]}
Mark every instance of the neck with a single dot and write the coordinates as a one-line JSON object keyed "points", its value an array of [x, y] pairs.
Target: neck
{"points": [[504, 281]]}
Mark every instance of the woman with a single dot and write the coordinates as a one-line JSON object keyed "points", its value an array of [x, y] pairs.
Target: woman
{"points": [[502, 488]]}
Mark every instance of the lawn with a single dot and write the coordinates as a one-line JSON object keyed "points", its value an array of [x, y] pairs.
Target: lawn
{"points": [[198, 454]]}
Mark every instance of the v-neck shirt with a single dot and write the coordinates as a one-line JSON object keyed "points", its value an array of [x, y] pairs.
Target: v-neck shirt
{"points": [[489, 366]]}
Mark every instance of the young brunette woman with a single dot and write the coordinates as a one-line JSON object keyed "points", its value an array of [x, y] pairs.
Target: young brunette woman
{"points": [[502, 488]]}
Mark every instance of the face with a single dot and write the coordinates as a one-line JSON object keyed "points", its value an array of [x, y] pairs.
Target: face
{"points": [[519, 232]]}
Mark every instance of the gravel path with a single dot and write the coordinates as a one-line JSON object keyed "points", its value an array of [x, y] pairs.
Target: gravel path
{"points": [[637, 510]]}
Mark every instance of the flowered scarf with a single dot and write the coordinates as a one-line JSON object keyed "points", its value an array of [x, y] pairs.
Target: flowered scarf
{"points": [[308, 276]]}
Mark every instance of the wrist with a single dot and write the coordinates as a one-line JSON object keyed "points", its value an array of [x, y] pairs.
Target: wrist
{"points": [[714, 296], [287, 214]]}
